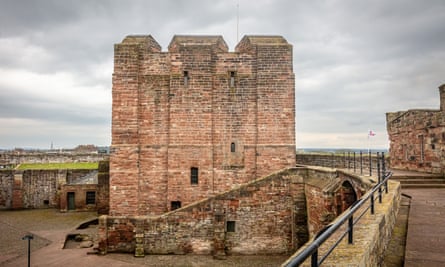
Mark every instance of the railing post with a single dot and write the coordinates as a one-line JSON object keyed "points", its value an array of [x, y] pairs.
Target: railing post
{"points": [[379, 177], [314, 259], [372, 203], [370, 164], [349, 160], [361, 162], [354, 163], [351, 230], [384, 171]]}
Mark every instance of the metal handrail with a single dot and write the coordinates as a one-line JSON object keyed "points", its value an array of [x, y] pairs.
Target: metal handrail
{"points": [[327, 232]]}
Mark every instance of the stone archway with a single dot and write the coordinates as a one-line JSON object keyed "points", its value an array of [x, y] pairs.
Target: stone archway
{"points": [[345, 197]]}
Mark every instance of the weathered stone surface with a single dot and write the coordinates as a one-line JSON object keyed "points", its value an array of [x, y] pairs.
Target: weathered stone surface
{"points": [[86, 244]]}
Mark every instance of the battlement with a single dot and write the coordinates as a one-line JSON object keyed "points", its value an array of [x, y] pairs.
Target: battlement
{"points": [[186, 41]]}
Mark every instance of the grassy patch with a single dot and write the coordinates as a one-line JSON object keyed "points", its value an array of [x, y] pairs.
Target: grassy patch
{"points": [[57, 166]]}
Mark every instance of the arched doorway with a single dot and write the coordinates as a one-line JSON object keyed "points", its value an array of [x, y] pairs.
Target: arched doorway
{"points": [[346, 196]]}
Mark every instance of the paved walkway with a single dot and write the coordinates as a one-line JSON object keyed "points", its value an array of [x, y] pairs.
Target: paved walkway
{"points": [[425, 244]]}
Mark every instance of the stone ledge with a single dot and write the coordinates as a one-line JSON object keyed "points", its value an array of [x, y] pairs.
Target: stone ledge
{"points": [[371, 234]]}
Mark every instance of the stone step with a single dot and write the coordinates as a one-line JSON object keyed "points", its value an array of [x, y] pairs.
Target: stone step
{"points": [[424, 177], [406, 186], [420, 181]]}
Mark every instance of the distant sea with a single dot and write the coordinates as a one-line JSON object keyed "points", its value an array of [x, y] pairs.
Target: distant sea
{"points": [[339, 150]]}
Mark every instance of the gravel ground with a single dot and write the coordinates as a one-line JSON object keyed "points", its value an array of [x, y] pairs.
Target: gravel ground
{"points": [[14, 225]]}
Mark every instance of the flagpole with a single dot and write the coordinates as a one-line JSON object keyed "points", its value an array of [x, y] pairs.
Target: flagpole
{"points": [[369, 143], [237, 22]]}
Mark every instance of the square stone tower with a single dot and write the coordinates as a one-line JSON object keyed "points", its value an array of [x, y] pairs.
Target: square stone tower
{"points": [[197, 120]]}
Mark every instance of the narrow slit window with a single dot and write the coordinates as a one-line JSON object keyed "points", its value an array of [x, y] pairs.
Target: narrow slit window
{"points": [[174, 205], [232, 79], [422, 148], [186, 78], [194, 175], [230, 226], [232, 147]]}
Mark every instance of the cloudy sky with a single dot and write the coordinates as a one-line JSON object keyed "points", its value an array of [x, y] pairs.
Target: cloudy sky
{"points": [[353, 60]]}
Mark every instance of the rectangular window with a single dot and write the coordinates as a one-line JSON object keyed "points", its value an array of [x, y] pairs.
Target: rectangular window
{"points": [[186, 78], [90, 198], [230, 226], [232, 79], [194, 175], [175, 205]]}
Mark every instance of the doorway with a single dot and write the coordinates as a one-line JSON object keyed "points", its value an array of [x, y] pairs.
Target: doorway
{"points": [[71, 201]]}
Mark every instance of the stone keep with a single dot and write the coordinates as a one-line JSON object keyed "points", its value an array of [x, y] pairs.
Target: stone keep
{"points": [[197, 120]]}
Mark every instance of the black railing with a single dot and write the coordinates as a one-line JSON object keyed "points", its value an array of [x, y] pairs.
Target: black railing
{"points": [[312, 249], [362, 162], [359, 161]]}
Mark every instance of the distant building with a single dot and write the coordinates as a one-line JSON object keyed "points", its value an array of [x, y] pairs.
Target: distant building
{"points": [[417, 138], [197, 120]]}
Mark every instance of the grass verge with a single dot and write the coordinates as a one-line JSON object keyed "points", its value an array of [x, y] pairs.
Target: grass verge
{"points": [[57, 166]]}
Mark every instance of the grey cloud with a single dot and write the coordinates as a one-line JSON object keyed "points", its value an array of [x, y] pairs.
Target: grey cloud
{"points": [[353, 60]]}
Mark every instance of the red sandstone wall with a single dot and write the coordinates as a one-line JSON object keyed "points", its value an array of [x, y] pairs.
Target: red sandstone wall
{"points": [[162, 127], [272, 216], [263, 212]]}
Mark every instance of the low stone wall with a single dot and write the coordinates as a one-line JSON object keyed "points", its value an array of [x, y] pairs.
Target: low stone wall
{"points": [[371, 235], [14, 158], [270, 215]]}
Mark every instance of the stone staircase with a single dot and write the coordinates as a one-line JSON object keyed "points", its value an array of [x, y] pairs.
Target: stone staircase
{"points": [[418, 180]]}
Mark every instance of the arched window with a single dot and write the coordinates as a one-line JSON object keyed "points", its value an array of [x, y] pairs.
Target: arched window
{"points": [[232, 147]]}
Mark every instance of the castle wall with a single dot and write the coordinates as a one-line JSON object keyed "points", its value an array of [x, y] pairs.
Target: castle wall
{"points": [[270, 215], [48, 189], [228, 114], [417, 139]]}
